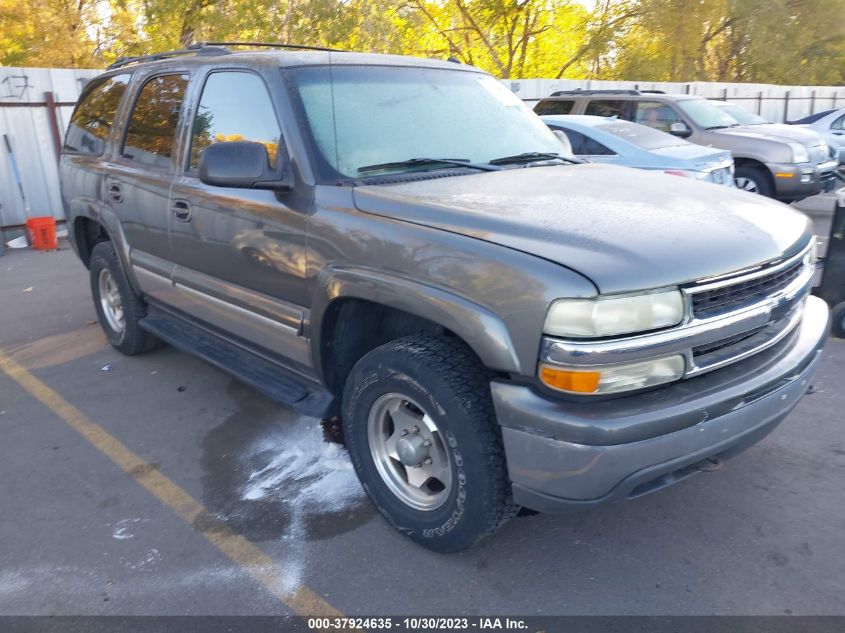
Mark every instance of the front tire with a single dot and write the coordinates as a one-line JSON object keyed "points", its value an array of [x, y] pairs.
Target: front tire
{"points": [[753, 180], [119, 309], [837, 318], [421, 431]]}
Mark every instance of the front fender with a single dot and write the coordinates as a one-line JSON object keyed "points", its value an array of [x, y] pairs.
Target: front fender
{"points": [[476, 325]]}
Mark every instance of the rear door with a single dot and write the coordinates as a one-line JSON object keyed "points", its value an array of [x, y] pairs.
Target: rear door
{"points": [[138, 181], [240, 253]]}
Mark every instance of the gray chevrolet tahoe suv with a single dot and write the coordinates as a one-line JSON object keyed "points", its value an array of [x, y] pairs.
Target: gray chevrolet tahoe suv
{"points": [[788, 166], [398, 242]]}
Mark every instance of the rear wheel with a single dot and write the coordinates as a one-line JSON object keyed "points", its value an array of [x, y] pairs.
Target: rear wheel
{"points": [[119, 309], [420, 428], [753, 180]]}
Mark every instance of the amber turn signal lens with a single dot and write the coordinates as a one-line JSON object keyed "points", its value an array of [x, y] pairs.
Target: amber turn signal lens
{"points": [[566, 380]]}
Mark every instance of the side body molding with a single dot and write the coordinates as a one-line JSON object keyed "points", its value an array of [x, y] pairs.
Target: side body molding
{"points": [[480, 328]]}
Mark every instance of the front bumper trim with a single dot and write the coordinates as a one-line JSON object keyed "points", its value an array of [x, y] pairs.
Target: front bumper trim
{"points": [[564, 455]]}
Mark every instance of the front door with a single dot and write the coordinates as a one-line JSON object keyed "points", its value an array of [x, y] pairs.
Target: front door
{"points": [[240, 253]]}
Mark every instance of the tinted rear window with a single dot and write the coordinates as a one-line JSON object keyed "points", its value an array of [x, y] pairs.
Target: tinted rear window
{"points": [[607, 107], [152, 126], [554, 107], [94, 115]]}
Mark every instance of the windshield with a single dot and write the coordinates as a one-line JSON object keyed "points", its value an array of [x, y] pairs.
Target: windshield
{"points": [[744, 116], [361, 116], [705, 114], [641, 135]]}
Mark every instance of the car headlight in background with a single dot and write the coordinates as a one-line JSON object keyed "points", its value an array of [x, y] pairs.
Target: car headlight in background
{"points": [[611, 316], [799, 153], [613, 378]]}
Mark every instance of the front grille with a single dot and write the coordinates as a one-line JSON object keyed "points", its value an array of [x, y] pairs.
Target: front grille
{"points": [[711, 303]]}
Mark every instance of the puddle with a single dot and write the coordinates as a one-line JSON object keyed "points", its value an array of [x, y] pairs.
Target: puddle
{"points": [[270, 475]]}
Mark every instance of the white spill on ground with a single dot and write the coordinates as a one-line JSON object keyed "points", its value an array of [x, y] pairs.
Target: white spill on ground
{"points": [[310, 477], [123, 528]]}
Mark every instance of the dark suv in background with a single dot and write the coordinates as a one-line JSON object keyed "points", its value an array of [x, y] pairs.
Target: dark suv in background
{"points": [[790, 165], [496, 326]]}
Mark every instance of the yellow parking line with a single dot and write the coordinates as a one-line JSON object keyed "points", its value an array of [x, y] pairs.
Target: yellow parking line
{"points": [[244, 553]]}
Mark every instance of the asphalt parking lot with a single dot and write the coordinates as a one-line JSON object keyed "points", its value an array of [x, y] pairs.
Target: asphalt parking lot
{"points": [[159, 485]]}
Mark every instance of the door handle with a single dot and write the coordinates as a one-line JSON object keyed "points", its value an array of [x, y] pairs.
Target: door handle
{"points": [[182, 210], [116, 192]]}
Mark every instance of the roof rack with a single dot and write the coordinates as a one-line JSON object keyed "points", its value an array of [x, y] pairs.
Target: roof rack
{"points": [[653, 92], [561, 93], [304, 47], [215, 48], [193, 49]]}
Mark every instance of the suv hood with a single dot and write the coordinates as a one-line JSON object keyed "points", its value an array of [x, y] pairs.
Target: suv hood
{"points": [[776, 132], [625, 229]]}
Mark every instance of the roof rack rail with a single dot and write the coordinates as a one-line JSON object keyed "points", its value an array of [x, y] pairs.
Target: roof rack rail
{"points": [[653, 92], [305, 47], [193, 49], [561, 93]]}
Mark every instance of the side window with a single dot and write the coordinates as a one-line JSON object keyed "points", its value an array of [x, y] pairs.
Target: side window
{"points": [[152, 126], [838, 124], [583, 145], [554, 107], [235, 106], [656, 115], [601, 107], [93, 116]]}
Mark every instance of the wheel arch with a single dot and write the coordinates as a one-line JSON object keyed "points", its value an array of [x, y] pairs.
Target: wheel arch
{"points": [[358, 310]]}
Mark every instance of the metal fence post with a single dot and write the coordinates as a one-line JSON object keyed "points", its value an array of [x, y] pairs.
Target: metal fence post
{"points": [[53, 120], [759, 103], [813, 102], [785, 107]]}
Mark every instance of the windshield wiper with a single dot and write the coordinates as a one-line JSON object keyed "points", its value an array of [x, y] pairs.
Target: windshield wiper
{"points": [[722, 127], [530, 157], [427, 162]]}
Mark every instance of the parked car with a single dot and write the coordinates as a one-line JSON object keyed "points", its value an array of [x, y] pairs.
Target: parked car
{"points": [[497, 325], [830, 124], [802, 134], [788, 170], [618, 142]]}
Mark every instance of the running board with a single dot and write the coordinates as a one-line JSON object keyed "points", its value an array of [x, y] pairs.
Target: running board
{"points": [[274, 381]]}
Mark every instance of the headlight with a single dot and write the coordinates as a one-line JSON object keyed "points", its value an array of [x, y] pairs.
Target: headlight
{"points": [[799, 153], [609, 316], [613, 378]]}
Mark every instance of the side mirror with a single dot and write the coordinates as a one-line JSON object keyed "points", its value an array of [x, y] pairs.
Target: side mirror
{"points": [[680, 129], [241, 165], [564, 140]]}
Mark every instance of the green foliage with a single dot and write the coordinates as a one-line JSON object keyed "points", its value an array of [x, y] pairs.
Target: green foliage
{"points": [[779, 41]]}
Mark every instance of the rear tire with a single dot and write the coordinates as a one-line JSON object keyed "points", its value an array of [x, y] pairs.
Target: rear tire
{"points": [[119, 309], [422, 434], [753, 180]]}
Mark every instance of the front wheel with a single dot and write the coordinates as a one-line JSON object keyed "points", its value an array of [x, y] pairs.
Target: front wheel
{"points": [[420, 428], [753, 180], [837, 319]]}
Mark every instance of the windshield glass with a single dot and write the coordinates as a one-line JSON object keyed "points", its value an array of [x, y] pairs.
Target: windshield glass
{"points": [[743, 116], [641, 135], [705, 114], [369, 115]]}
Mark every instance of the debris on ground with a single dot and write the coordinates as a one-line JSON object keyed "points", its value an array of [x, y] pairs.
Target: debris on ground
{"points": [[106, 368]]}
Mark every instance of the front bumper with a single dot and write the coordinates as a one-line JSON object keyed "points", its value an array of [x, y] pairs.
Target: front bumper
{"points": [[797, 181], [565, 455]]}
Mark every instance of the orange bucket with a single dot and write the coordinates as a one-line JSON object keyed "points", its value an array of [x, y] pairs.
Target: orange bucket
{"points": [[42, 232]]}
